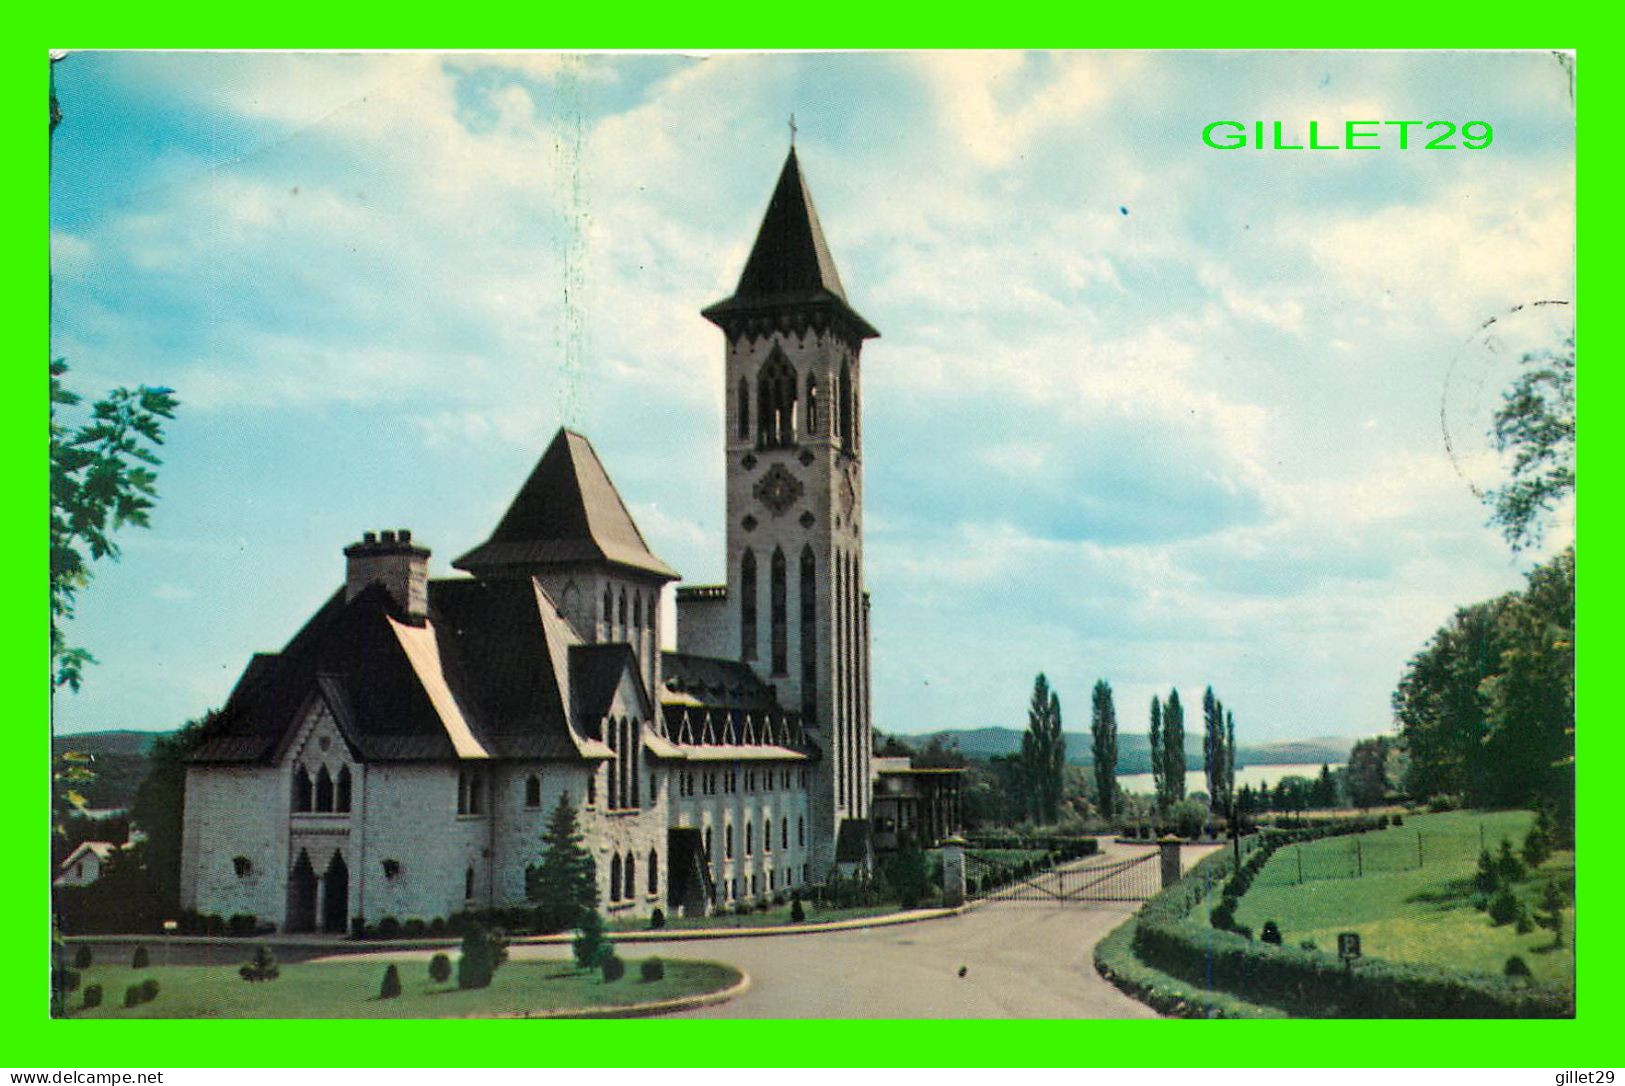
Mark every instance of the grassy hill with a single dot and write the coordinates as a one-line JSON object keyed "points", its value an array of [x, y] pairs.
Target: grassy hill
{"points": [[1134, 748]]}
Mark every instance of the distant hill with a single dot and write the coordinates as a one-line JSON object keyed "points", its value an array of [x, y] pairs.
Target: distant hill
{"points": [[1134, 748], [119, 759]]}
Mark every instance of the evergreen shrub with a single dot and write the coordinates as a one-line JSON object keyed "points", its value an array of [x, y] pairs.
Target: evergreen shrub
{"points": [[391, 987], [440, 968], [140, 959], [93, 996], [652, 969]]}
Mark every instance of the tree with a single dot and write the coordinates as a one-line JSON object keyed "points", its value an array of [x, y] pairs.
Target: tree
{"points": [[565, 884], [1159, 768], [1536, 423], [1229, 759], [591, 947], [483, 952], [1043, 752], [262, 968], [1324, 792], [159, 808], [101, 481], [1213, 749], [1173, 747], [1367, 775], [1103, 726]]}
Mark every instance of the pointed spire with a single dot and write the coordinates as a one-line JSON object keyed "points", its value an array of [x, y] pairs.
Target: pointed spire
{"points": [[567, 512], [790, 264]]}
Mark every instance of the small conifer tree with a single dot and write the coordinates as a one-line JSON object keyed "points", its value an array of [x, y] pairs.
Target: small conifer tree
{"points": [[391, 986], [565, 884], [591, 946], [82, 957], [262, 968], [440, 969], [140, 958]]}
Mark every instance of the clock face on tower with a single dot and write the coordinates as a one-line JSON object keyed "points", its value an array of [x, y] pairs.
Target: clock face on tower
{"points": [[778, 489]]}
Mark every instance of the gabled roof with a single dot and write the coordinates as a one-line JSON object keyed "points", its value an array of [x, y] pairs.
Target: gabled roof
{"points": [[713, 683], [790, 263], [568, 512], [488, 674]]}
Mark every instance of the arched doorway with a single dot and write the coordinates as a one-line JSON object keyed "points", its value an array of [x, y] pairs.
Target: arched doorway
{"points": [[301, 895], [336, 896]]}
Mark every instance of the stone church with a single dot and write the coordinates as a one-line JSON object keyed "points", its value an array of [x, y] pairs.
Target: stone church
{"points": [[400, 755]]}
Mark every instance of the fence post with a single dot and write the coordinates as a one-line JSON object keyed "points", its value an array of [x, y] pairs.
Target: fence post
{"points": [[1359, 860], [1169, 844], [1299, 851], [1418, 850], [953, 871]]}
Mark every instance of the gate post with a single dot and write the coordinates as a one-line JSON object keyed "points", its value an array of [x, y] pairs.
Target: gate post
{"points": [[1169, 844], [953, 871]]}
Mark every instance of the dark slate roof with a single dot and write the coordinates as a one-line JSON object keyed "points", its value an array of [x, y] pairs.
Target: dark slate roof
{"points": [[712, 683], [486, 676], [568, 512], [595, 673], [790, 263]]}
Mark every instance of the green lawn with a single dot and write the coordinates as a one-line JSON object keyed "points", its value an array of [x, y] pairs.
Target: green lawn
{"points": [[350, 990], [776, 916], [1404, 912]]}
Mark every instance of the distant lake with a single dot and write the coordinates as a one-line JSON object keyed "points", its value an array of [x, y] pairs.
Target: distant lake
{"points": [[1196, 780]]}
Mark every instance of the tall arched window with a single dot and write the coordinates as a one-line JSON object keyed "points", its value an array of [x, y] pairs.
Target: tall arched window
{"points": [[750, 839], [623, 609], [533, 791], [468, 885], [743, 408], [801, 831], [784, 834], [767, 835], [747, 606], [301, 790], [324, 790], [776, 402], [728, 842], [631, 891], [781, 638], [615, 878], [609, 611], [708, 853], [848, 417], [813, 413], [341, 802], [654, 872], [809, 638], [637, 610]]}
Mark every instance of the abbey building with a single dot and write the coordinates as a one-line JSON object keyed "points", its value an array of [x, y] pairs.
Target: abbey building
{"points": [[400, 755]]}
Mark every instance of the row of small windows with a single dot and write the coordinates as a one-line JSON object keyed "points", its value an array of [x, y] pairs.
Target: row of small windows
{"points": [[611, 608], [750, 837], [326, 795], [782, 415], [623, 878], [727, 781], [778, 576], [774, 880]]}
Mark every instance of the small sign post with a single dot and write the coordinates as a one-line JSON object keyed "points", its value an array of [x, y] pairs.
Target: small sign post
{"points": [[1348, 948]]}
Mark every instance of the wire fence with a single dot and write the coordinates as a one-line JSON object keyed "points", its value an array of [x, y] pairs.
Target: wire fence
{"points": [[1384, 852]]}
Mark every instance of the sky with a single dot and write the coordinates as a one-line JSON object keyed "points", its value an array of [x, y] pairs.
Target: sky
{"points": [[1142, 410]]}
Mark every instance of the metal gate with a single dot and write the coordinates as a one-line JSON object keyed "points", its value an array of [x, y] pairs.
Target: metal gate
{"points": [[1133, 879]]}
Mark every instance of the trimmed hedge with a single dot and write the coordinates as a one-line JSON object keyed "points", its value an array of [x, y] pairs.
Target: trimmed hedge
{"points": [[1310, 983]]}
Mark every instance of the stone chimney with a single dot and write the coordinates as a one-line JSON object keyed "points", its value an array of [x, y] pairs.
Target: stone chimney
{"points": [[393, 560]]}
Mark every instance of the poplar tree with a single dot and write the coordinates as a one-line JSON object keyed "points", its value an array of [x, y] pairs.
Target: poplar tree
{"points": [[1103, 725], [1173, 747], [1043, 752], [1159, 772], [1229, 759], [1213, 748]]}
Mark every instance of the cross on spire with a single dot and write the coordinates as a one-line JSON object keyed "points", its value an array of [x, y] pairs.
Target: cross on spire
{"points": [[792, 130]]}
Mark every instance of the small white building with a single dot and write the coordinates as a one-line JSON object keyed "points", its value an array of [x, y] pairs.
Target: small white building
{"points": [[84, 864]]}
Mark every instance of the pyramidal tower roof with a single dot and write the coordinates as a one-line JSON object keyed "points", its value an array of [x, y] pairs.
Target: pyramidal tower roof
{"points": [[567, 512], [790, 264]]}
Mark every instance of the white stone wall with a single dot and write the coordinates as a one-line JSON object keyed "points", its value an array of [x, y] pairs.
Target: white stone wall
{"points": [[708, 627], [235, 811], [778, 868]]}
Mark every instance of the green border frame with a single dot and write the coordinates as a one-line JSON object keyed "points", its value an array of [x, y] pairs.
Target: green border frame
{"points": [[33, 1040]]}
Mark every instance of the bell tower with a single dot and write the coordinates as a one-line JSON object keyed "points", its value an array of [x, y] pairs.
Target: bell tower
{"points": [[797, 608]]}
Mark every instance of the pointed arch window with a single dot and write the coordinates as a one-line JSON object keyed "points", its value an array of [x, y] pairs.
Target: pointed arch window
{"points": [[728, 842], [814, 415], [784, 833], [637, 610], [631, 885], [533, 791], [767, 835], [809, 638], [747, 606], [776, 402], [781, 639], [708, 841], [609, 610], [468, 885], [324, 790], [341, 800], [623, 609], [654, 872], [301, 790], [742, 408], [848, 414], [615, 878], [750, 839]]}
